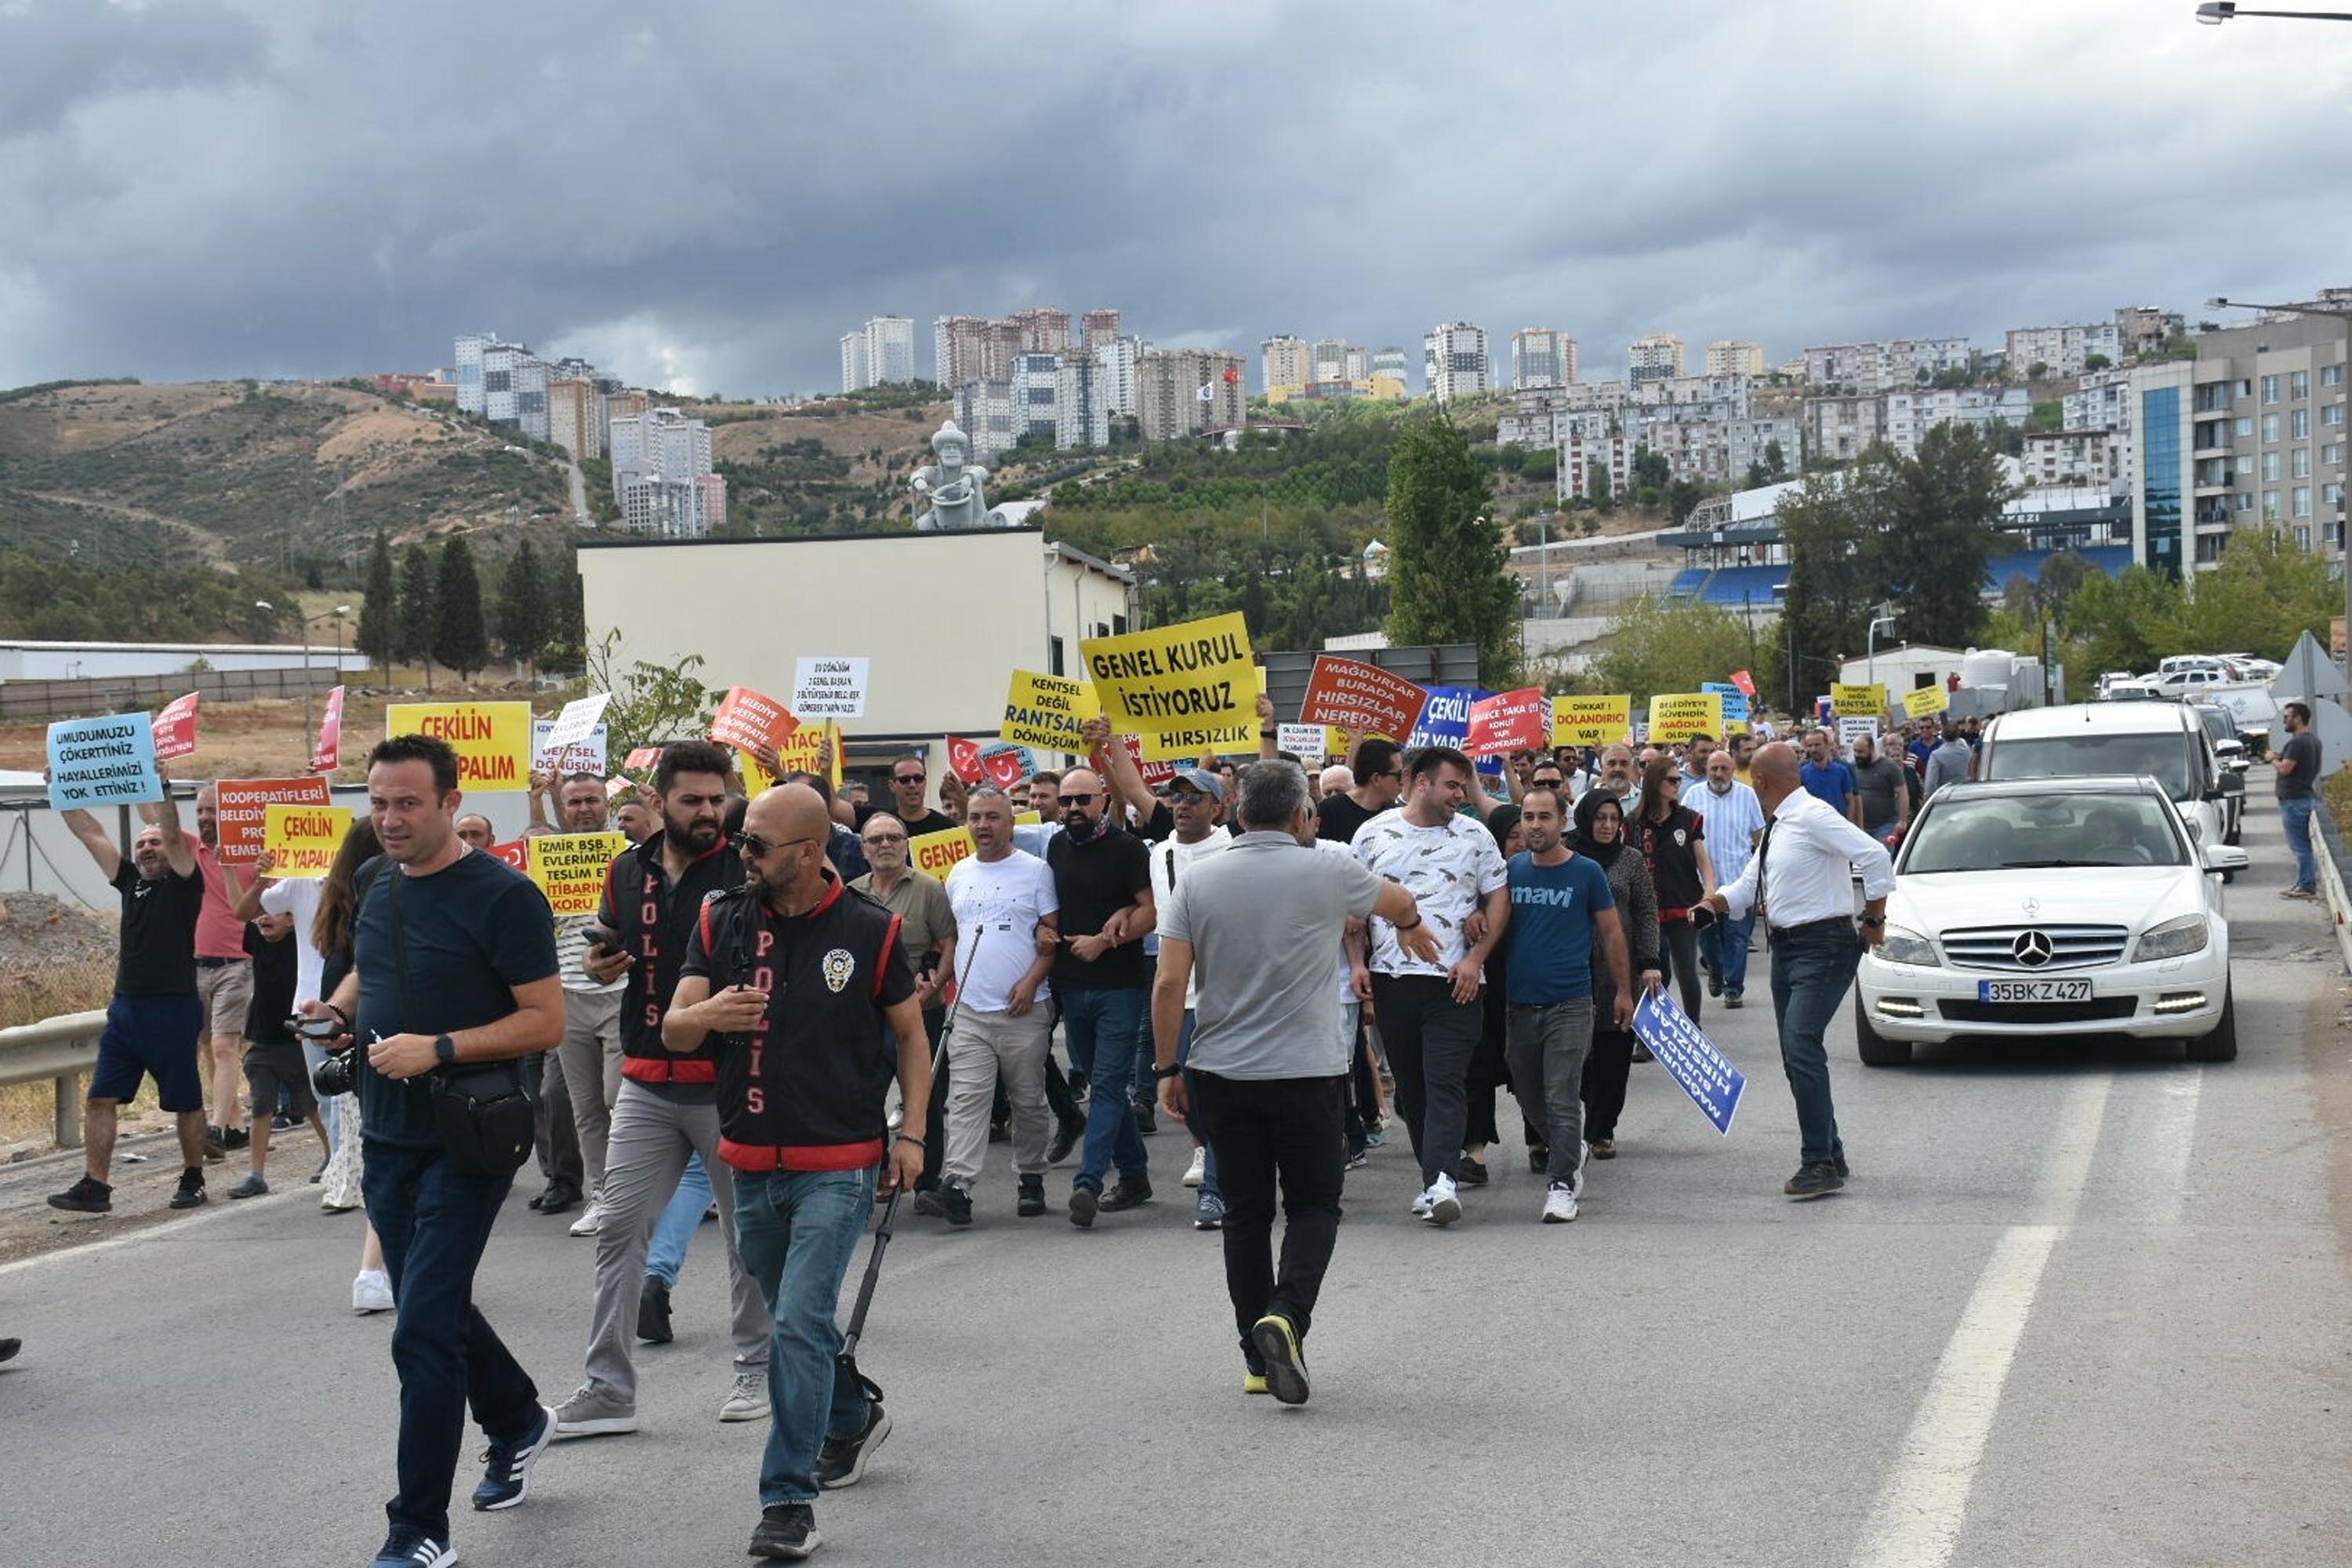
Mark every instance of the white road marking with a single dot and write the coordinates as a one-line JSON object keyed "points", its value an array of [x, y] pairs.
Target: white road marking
{"points": [[1917, 1520], [2168, 1145]]}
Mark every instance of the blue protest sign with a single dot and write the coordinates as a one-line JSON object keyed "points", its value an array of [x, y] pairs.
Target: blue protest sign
{"points": [[1445, 721], [103, 762], [1735, 701], [1691, 1059]]}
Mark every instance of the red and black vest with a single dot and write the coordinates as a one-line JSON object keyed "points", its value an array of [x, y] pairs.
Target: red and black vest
{"points": [[655, 920], [804, 1090]]}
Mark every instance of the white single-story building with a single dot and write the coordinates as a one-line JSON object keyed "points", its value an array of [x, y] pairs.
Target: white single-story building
{"points": [[25, 660]]}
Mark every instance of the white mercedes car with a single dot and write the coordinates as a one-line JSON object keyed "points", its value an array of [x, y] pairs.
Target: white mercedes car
{"points": [[2042, 907]]}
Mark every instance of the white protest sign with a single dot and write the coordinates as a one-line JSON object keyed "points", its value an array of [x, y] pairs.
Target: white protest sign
{"points": [[580, 718], [586, 755], [1307, 741], [829, 688]]}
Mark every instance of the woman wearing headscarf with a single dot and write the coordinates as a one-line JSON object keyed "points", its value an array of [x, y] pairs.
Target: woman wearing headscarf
{"points": [[1488, 1070], [1671, 839], [1601, 834]]}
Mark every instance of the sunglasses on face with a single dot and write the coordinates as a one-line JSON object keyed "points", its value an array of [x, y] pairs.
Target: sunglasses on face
{"points": [[759, 849], [1077, 800], [906, 778], [886, 838]]}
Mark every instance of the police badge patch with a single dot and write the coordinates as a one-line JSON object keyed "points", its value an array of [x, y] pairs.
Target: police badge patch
{"points": [[838, 967]]}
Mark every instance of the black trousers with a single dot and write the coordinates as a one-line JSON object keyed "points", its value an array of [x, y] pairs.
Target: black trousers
{"points": [[1265, 1131], [1606, 1067], [1430, 1038], [1678, 953], [554, 1139]]}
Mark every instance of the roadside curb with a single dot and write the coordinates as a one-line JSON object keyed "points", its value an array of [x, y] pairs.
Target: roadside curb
{"points": [[2332, 879]]}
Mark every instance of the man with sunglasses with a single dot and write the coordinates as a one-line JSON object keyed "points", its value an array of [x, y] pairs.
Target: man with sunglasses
{"points": [[909, 778], [667, 1108], [1379, 769]]}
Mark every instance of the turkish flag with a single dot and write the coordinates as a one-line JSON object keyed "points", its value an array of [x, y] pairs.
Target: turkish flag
{"points": [[1232, 376], [515, 852], [964, 756], [1003, 769], [1746, 682]]}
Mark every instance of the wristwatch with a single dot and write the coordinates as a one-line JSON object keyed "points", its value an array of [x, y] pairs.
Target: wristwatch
{"points": [[1171, 1070], [1873, 921], [445, 1048]]}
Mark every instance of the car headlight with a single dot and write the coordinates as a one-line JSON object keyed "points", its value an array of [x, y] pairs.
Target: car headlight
{"points": [[2173, 939], [1906, 946]]}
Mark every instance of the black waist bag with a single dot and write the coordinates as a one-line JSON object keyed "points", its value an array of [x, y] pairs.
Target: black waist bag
{"points": [[480, 1110]]}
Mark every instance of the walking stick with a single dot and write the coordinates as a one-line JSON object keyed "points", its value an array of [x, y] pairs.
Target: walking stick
{"points": [[882, 1232]]}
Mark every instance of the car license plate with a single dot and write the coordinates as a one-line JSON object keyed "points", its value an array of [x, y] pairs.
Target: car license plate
{"points": [[2033, 991]]}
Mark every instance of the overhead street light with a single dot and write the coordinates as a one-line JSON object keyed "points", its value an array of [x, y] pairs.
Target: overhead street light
{"points": [[2216, 12]]}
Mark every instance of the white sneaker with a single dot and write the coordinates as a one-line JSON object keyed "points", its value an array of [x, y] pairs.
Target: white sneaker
{"points": [[372, 1291], [1198, 1171], [590, 1220], [1419, 1209], [1445, 1205], [1559, 1203], [747, 1400]]}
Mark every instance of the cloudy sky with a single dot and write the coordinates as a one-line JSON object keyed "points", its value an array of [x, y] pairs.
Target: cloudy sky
{"points": [[704, 194]]}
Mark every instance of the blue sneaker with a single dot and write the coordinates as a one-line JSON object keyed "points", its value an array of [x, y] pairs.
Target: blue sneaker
{"points": [[411, 1548], [1209, 1213], [506, 1475]]}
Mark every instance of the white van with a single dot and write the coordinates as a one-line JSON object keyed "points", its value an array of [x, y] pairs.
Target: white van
{"points": [[2165, 741]]}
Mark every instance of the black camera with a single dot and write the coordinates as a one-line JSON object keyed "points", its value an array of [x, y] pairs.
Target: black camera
{"points": [[338, 1074]]}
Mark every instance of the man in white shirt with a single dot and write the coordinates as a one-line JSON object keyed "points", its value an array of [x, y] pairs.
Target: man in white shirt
{"points": [[1802, 882], [1429, 1009], [1734, 821], [1003, 899]]}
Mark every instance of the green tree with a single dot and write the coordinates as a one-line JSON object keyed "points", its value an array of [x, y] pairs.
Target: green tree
{"points": [[2094, 363], [1448, 580], [1603, 497], [1946, 501], [1651, 469], [2266, 592], [2123, 619], [568, 649], [652, 703], [1835, 528], [1776, 461], [461, 639], [378, 628], [1683, 496], [419, 613], [526, 619], [1670, 645]]}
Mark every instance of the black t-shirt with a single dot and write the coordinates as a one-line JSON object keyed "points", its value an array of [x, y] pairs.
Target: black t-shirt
{"points": [[1338, 816], [929, 822], [1095, 880], [273, 988], [158, 955], [1670, 850], [473, 931], [2303, 751]]}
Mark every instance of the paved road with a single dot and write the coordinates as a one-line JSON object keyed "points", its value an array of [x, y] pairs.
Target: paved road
{"points": [[2079, 1306]]}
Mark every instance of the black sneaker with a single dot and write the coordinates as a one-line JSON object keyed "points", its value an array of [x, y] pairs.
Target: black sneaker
{"points": [[1147, 1119], [1714, 984], [1000, 1132], [842, 1461], [1470, 1172], [653, 1311], [1814, 1179], [283, 1121], [1032, 1197], [236, 1137], [560, 1197], [1127, 1193], [1084, 1202], [88, 1195], [405, 1548], [9, 1349], [787, 1530], [1843, 1168], [956, 1204], [191, 1190], [1276, 1339], [1065, 1138], [506, 1467], [928, 1202], [214, 1149]]}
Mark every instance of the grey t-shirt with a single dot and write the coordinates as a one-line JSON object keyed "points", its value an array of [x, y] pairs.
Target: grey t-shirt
{"points": [[1881, 780], [2304, 751], [1263, 919]]}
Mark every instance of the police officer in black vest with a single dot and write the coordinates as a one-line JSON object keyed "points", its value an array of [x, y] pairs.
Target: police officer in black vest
{"points": [[800, 976]]}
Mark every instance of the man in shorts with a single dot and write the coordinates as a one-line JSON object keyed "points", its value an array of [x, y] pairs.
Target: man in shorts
{"points": [[154, 1019]]}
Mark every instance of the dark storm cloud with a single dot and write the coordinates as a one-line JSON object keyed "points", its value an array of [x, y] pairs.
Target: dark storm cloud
{"points": [[711, 194]]}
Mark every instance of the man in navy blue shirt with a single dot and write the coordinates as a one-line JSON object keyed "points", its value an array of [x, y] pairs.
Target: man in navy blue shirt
{"points": [[1561, 910], [1829, 780]]}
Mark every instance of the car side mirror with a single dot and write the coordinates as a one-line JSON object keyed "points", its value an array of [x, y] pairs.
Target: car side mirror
{"points": [[2230, 783], [2226, 857]]}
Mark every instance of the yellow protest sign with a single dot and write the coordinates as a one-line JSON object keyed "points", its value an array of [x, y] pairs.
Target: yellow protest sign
{"points": [[1196, 676], [1926, 700], [570, 868], [795, 753], [1186, 746], [302, 841], [1044, 712], [493, 740], [1590, 720], [1675, 718], [1858, 701], [936, 854]]}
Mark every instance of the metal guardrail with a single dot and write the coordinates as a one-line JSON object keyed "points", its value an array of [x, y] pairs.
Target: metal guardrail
{"points": [[62, 1048]]}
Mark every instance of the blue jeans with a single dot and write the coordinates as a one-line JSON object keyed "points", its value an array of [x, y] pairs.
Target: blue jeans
{"points": [[2295, 811], [1812, 967], [1208, 1150], [434, 1224], [674, 1232], [1724, 946], [797, 1231], [1104, 1028]]}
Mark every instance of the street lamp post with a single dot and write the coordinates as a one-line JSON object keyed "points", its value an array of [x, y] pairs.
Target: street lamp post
{"points": [[1871, 641], [2342, 314], [2216, 12]]}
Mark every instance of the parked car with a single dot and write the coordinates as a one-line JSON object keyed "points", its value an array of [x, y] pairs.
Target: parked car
{"points": [[2163, 740], [2041, 909], [2230, 751]]}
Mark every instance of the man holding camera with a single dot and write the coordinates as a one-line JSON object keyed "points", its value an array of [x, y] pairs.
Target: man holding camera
{"points": [[455, 968]]}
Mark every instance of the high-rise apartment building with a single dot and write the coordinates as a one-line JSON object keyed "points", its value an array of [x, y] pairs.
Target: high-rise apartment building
{"points": [[1394, 364], [662, 479], [2249, 434], [1079, 418], [1098, 327], [1894, 365], [1657, 357], [2064, 350], [958, 348], [854, 374], [498, 363], [1454, 361], [1043, 331], [882, 350], [575, 417], [989, 417], [470, 350], [1541, 357], [1284, 362], [1037, 394], [1181, 392], [531, 378], [1115, 362], [1732, 356], [1337, 359]]}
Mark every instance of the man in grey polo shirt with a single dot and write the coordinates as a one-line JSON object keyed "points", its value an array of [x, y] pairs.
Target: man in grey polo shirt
{"points": [[1266, 1071]]}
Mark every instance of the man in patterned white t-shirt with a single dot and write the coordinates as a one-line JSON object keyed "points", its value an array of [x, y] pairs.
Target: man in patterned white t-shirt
{"points": [[1429, 1013]]}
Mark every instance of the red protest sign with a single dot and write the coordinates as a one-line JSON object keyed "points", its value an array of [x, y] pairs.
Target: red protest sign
{"points": [[753, 721], [330, 733], [1153, 773], [1360, 697], [1510, 722], [175, 727], [515, 852], [243, 807], [1003, 769], [964, 756], [1746, 682], [644, 757]]}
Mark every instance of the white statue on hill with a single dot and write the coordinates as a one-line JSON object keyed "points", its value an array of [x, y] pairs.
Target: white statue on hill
{"points": [[951, 485]]}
